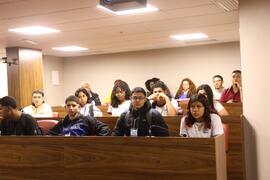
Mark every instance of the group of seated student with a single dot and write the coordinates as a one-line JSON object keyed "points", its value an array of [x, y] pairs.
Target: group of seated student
{"points": [[140, 119], [140, 114]]}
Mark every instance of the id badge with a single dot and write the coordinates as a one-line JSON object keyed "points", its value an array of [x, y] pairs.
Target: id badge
{"points": [[133, 132]]}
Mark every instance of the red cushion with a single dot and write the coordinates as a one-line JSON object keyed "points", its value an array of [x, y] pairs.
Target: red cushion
{"points": [[46, 125], [226, 136]]}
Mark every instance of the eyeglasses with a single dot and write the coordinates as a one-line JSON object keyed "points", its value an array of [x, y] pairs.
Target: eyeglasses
{"points": [[134, 98]]}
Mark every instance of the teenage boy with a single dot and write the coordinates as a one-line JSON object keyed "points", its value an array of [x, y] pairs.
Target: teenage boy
{"points": [[14, 122], [75, 124]]}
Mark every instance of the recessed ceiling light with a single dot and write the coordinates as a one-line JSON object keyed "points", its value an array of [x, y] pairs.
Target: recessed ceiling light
{"points": [[194, 36], [34, 30], [70, 48], [148, 8]]}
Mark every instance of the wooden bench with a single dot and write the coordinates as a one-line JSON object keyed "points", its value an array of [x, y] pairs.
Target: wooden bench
{"points": [[112, 158], [62, 111], [234, 109], [235, 155]]}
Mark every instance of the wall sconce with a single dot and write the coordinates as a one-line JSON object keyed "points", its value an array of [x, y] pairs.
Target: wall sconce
{"points": [[9, 61]]}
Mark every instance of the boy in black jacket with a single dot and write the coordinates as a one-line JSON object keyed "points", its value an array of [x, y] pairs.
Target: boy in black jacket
{"points": [[140, 120], [15, 122], [75, 124]]}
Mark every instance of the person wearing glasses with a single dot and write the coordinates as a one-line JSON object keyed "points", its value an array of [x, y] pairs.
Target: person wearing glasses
{"points": [[141, 119], [120, 99]]}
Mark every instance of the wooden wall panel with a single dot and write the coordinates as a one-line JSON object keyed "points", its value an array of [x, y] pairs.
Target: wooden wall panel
{"points": [[13, 74], [26, 76], [30, 158]]}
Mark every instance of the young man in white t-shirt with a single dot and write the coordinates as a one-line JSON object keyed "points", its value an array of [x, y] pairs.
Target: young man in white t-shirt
{"points": [[162, 101], [218, 86]]}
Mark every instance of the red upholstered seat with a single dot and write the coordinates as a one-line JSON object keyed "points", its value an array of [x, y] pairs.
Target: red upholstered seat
{"points": [[226, 136], [46, 125]]}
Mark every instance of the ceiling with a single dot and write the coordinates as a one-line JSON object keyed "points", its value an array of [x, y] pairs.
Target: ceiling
{"points": [[81, 23]]}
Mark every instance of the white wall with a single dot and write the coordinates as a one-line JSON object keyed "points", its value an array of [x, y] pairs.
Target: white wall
{"points": [[199, 63], [255, 48], [3, 80], [54, 94]]}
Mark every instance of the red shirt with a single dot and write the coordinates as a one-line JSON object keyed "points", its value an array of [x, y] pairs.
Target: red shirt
{"points": [[228, 94]]}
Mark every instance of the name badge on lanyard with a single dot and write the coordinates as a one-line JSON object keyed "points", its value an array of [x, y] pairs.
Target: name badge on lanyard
{"points": [[133, 132]]}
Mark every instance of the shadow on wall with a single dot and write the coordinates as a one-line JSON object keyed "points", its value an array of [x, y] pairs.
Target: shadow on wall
{"points": [[250, 148]]}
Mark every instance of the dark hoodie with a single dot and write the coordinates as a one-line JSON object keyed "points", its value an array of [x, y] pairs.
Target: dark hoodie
{"points": [[137, 119], [80, 126]]}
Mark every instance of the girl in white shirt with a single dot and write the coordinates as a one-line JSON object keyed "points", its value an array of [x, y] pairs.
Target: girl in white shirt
{"points": [[199, 121], [87, 107], [120, 99]]}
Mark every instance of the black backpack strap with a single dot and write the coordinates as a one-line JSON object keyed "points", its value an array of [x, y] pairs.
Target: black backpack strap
{"points": [[149, 117], [91, 110], [127, 119]]}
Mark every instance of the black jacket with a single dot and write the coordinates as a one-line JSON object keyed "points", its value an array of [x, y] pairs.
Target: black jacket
{"points": [[94, 97], [26, 125], [138, 119], [81, 126]]}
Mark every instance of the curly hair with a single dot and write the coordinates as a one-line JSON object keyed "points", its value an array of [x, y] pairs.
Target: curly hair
{"points": [[190, 120], [123, 86], [147, 83], [191, 91]]}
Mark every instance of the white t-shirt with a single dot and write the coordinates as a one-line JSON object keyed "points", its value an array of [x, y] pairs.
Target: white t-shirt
{"points": [[218, 106], [198, 130], [216, 93], [85, 110], [44, 110], [164, 110], [120, 109]]}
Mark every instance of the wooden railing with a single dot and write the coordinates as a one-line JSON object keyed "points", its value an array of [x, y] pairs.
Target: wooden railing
{"points": [[235, 155], [234, 109], [235, 164], [112, 158]]}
